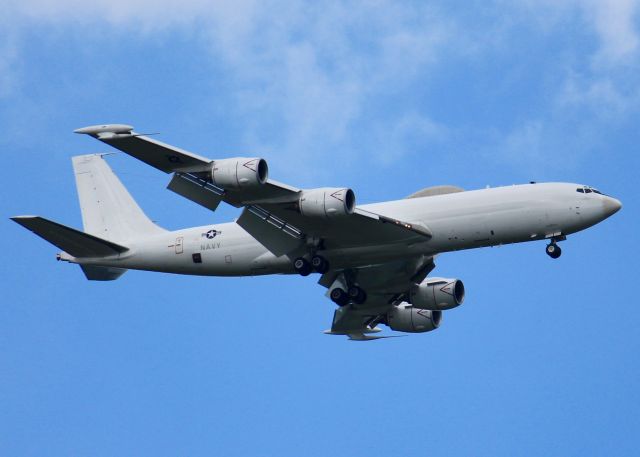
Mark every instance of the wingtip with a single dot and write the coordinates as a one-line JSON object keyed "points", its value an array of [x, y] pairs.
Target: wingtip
{"points": [[104, 128], [372, 338], [24, 221]]}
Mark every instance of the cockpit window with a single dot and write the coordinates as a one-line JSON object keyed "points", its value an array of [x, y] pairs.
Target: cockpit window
{"points": [[588, 190]]}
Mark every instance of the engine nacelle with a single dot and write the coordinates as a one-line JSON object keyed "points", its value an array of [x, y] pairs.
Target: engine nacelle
{"points": [[437, 294], [239, 172], [406, 318], [327, 202]]}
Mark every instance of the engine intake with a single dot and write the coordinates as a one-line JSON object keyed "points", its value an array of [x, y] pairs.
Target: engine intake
{"points": [[437, 294], [239, 172], [327, 202], [406, 318]]}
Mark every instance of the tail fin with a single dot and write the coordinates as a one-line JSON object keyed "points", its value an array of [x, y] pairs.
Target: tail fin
{"points": [[108, 210]]}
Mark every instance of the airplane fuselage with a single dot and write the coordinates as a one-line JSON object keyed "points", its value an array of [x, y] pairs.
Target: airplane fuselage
{"points": [[457, 221], [374, 260]]}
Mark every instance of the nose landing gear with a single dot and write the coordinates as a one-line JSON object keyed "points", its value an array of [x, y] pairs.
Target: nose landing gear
{"points": [[553, 250]]}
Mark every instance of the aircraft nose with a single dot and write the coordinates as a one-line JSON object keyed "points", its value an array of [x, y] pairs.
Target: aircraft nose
{"points": [[611, 206]]}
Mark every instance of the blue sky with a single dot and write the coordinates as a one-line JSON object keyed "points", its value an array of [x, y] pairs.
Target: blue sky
{"points": [[384, 97]]}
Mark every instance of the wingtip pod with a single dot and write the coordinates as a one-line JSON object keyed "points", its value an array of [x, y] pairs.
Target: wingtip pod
{"points": [[104, 128], [19, 218], [363, 335]]}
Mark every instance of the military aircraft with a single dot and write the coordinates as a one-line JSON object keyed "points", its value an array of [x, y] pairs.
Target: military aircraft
{"points": [[373, 259]]}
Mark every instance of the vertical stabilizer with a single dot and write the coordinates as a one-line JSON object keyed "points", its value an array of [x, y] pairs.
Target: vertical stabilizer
{"points": [[108, 210]]}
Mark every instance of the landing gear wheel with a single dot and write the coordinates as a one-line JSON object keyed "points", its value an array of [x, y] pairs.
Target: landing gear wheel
{"points": [[302, 266], [319, 264], [553, 250], [339, 296], [357, 294]]}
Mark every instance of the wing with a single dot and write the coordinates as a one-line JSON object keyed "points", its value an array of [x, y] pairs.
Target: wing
{"points": [[272, 212], [187, 168], [386, 286]]}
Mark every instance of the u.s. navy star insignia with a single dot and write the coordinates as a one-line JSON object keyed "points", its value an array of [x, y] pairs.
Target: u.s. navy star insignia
{"points": [[211, 234]]}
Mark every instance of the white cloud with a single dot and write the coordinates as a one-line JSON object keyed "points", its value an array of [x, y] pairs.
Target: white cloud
{"points": [[406, 136], [310, 66], [9, 55], [598, 80], [314, 70], [318, 67], [615, 22], [524, 144], [140, 14], [601, 96]]}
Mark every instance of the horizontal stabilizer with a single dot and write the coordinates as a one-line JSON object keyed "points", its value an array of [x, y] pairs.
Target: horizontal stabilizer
{"points": [[72, 241]]}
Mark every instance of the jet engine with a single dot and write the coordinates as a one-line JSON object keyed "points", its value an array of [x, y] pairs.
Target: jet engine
{"points": [[406, 318], [437, 294], [239, 172], [327, 202]]}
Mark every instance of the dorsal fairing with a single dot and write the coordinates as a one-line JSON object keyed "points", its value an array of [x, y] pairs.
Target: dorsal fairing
{"points": [[436, 190]]}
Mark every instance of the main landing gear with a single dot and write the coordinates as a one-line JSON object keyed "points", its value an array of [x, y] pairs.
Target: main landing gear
{"points": [[311, 261], [302, 266], [339, 296], [344, 290], [353, 294], [305, 267], [319, 264]]}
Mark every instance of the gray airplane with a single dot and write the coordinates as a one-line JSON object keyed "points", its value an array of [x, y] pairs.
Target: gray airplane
{"points": [[373, 259]]}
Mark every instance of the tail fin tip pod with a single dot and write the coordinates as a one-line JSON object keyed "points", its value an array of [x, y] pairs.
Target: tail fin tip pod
{"points": [[108, 210]]}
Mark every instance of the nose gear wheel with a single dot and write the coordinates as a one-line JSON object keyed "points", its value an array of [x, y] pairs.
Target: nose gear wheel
{"points": [[553, 250]]}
